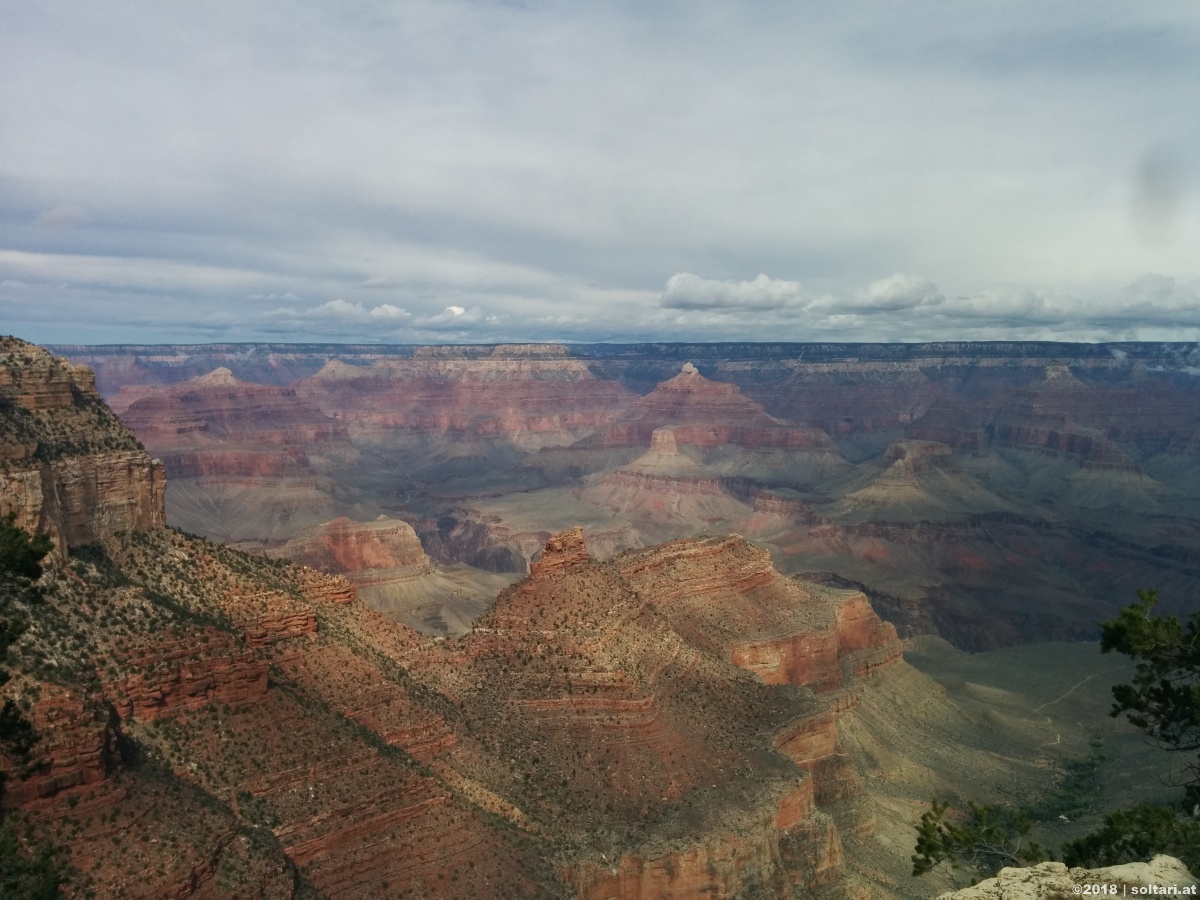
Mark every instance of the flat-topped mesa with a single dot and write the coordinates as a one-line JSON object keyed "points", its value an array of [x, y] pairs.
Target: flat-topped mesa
{"points": [[218, 409], [499, 351], [68, 466], [530, 400], [564, 552]]}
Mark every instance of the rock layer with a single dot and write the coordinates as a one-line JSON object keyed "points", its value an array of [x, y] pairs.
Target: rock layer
{"points": [[67, 466]]}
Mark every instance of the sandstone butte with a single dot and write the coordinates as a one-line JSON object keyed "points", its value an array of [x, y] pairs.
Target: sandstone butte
{"points": [[664, 724], [705, 413], [665, 485]]}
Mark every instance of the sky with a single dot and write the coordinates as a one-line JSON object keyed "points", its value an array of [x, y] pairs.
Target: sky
{"points": [[443, 172]]}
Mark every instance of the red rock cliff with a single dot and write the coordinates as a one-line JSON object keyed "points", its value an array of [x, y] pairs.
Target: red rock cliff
{"points": [[67, 466]]}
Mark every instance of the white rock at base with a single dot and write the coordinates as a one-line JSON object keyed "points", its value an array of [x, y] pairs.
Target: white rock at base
{"points": [[1054, 881]]}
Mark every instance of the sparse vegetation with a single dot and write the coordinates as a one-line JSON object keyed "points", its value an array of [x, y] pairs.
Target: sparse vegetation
{"points": [[29, 868], [1163, 702]]}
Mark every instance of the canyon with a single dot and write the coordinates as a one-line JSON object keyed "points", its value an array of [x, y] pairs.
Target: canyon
{"points": [[989, 493], [673, 719]]}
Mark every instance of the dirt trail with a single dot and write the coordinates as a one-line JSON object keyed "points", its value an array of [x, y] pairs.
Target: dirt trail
{"points": [[1077, 684]]}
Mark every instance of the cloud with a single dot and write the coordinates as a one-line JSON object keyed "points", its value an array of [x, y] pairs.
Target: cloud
{"points": [[65, 215], [378, 283], [897, 292], [454, 316], [388, 311], [687, 291], [488, 156], [340, 309]]}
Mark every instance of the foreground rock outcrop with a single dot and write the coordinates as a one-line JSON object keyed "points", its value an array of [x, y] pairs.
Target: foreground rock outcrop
{"points": [[1052, 881], [67, 465]]}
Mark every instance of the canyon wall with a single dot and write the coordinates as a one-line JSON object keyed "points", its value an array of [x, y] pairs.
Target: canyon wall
{"points": [[68, 467]]}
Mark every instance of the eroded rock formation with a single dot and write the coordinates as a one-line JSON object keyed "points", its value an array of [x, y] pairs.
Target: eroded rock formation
{"points": [[629, 705], [67, 466]]}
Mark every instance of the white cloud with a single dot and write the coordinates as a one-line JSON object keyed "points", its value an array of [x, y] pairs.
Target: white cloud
{"points": [[452, 316], [687, 291], [898, 292], [339, 308], [388, 311]]}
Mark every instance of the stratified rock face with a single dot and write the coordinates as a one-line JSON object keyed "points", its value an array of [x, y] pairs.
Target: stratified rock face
{"points": [[67, 465], [245, 460], [707, 414], [644, 738], [346, 547], [216, 425], [183, 675], [513, 395], [564, 552], [665, 487], [728, 597], [79, 749], [1052, 880], [1070, 478]]}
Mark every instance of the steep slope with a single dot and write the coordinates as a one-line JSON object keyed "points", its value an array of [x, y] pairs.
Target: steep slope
{"points": [[673, 759]]}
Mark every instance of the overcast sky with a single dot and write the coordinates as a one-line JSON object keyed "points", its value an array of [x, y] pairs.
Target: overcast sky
{"points": [[487, 171]]}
